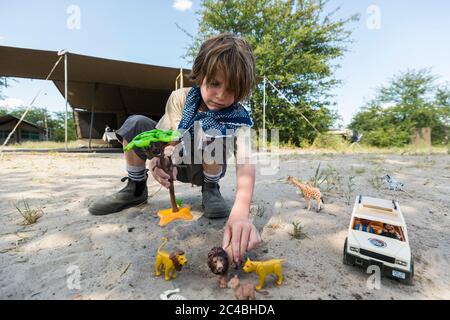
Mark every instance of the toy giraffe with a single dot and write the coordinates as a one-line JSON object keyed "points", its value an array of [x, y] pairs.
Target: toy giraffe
{"points": [[308, 192]]}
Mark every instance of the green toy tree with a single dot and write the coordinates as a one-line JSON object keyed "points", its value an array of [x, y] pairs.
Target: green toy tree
{"points": [[153, 143]]}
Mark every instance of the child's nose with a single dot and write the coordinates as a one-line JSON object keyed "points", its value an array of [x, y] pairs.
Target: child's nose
{"points": [[220, 93]]}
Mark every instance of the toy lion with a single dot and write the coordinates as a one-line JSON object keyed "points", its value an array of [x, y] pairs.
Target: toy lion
{"points": [[218, 263], [170, 263], [264, 268]]}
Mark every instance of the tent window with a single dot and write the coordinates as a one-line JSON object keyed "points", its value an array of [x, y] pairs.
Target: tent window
{"points": [[28, 135], [3, 134]]}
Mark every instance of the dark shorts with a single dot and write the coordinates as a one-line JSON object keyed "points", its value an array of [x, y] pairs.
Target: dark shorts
{"points": [[136, 124]]}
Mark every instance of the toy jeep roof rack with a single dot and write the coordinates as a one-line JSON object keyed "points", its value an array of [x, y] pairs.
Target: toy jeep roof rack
{"points": [[373, 209]]}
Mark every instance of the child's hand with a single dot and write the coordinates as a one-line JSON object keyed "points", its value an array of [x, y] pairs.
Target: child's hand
{"points": [[242, 235], [159, 174]]}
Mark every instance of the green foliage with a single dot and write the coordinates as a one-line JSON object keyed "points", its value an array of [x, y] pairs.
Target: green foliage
{"points": [[296, 44], [387, 137], [145, 139], [410, 100], [54, 121], [56, 126], [328, 141], [2, 84], [297, 231], [349, 189], [3, 111], [329, 175]]}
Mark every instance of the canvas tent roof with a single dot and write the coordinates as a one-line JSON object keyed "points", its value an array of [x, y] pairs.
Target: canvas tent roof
{"points": [[9, 117], [120, 85]]}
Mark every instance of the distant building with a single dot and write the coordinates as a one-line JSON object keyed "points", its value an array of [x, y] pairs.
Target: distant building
{"points": [[26, 131], [101, 92]]}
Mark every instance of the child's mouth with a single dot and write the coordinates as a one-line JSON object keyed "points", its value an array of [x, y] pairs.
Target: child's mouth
{"points": [[216, 105]]}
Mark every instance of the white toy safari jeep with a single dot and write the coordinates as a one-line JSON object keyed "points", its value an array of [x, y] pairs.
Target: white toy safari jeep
{"points": [[377, 235]]}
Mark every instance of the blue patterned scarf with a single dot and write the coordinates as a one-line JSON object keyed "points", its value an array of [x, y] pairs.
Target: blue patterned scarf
{"points": [[229, 118]]}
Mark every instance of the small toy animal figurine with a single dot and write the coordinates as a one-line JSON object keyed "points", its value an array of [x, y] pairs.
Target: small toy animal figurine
{"points": [[242, 291], [308, 192], [219, 262], [392, 184], [169, 262], [172, 295], [264, 268]]}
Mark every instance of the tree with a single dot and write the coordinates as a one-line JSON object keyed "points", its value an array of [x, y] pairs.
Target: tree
{"points": [[53, 121], [3, 111], [57, 126], [35, 115], [2, 84], [410, 100], [296, 44]]}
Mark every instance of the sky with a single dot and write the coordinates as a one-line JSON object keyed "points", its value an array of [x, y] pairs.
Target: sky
{"points": [[391, 36]]}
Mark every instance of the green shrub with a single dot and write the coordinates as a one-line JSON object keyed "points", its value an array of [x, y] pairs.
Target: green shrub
{"points": [[383, 138], [328, 141]]}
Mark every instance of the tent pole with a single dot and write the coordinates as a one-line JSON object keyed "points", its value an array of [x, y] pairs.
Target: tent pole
{"points": [[181, 80], [65, 97], [92, 115], [264, 109]]}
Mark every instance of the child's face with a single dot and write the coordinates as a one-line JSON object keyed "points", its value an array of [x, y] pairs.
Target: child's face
{"points": [[215, 95]]}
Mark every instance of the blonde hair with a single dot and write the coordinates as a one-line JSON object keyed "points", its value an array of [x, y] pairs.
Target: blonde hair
{"points": [[228, 54]]}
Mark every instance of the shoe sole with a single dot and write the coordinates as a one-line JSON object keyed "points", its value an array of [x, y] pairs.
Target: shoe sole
{"points": [[103, 213], [214, 215]]}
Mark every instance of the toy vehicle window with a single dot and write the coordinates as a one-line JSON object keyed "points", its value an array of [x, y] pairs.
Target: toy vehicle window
{"points": [[367, 226], [394, 232], [380, 228]]}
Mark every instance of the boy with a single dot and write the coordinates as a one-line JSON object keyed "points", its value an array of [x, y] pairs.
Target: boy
{"points": [[224, 74]]}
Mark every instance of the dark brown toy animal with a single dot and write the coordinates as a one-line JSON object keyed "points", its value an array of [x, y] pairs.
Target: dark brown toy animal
{"points": [[219, 262]]}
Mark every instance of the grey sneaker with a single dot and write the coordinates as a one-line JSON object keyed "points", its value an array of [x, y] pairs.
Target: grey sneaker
{"points": [[134, 193], [213, 204]]}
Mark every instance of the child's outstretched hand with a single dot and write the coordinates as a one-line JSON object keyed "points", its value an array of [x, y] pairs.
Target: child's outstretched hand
{"points": [[159, 174], [241, 235]]}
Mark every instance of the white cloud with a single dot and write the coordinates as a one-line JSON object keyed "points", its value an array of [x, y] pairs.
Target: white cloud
{"points": [[2, 38], [11, 103], [182, 5]]}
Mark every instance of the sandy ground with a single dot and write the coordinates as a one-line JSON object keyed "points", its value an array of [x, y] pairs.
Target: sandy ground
{"points": [[115, 254]]}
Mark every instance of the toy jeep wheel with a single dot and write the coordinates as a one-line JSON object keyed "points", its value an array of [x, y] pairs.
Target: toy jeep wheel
{"points": [[346, 259]]}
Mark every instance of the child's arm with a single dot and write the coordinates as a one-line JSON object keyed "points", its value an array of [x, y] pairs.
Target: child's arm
{"points": [[239, 230]]}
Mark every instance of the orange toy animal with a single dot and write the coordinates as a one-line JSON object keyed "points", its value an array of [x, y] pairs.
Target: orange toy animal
{"points": [[264, 268], [309, 192], [170, 263]]}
